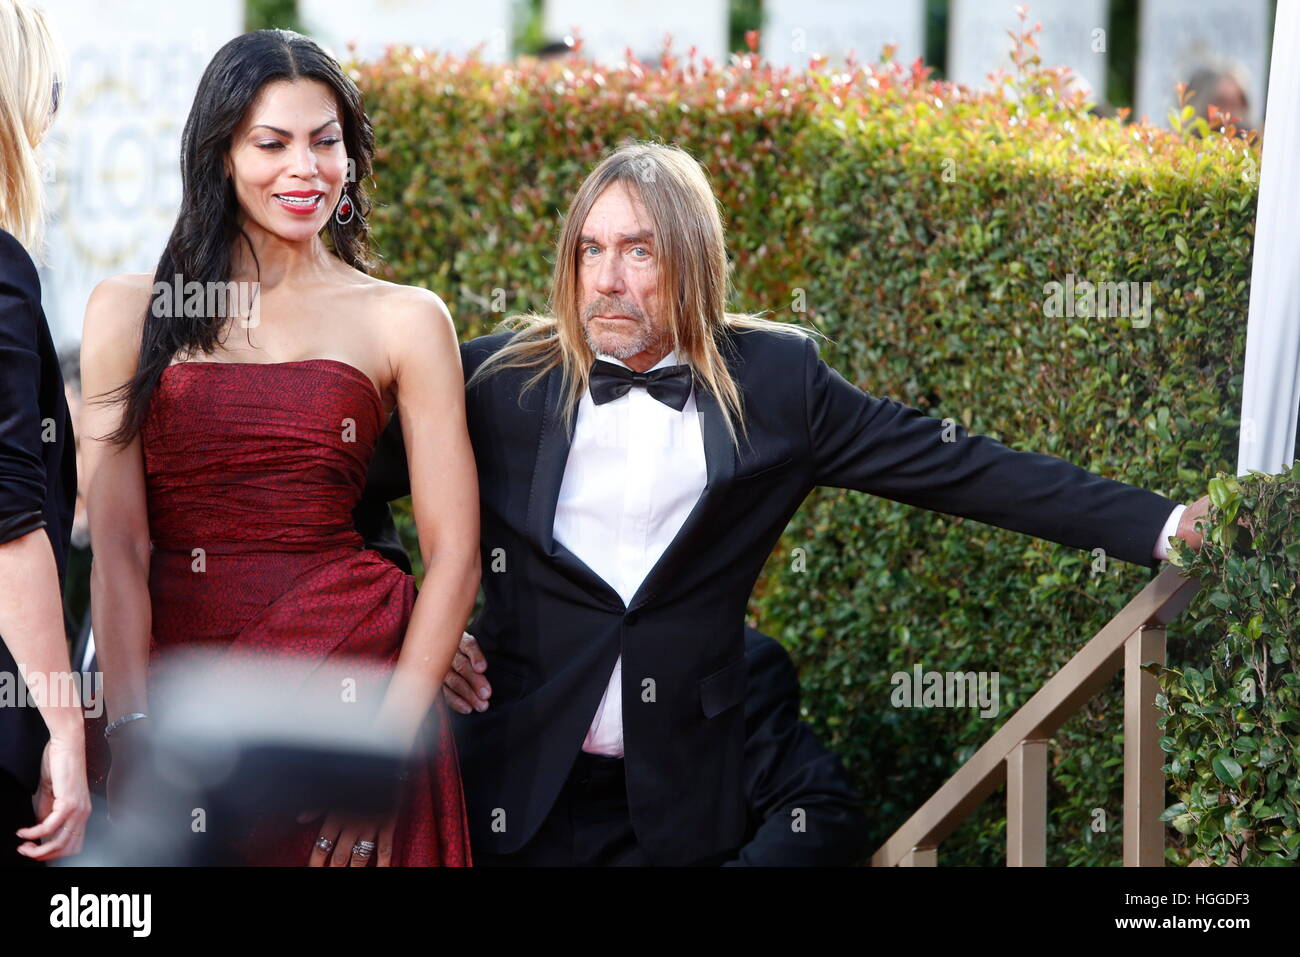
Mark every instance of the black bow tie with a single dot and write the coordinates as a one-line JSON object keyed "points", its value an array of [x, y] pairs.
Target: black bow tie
{"points": [[671, 385]]}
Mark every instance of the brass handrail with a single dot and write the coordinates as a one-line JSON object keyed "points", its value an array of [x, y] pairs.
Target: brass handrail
{"points": [[1017, 753]]}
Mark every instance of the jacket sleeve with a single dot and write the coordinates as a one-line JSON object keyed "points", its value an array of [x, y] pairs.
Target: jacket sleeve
{"points": [[22, 470], [803, 811], [880, 446], [388, 478]]}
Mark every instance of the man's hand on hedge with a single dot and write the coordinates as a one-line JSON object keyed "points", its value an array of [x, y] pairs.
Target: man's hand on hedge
{"points": [[1187, 523]]}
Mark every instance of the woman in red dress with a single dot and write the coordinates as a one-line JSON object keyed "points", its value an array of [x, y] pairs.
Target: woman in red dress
{"points": [[234, 402]]}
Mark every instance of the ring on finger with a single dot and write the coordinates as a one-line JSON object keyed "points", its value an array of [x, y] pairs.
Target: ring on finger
{"points": [[323, 843], [364, 849]]}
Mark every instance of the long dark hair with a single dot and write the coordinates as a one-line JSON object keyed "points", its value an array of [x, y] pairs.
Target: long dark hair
{"points": [[207, 227]]}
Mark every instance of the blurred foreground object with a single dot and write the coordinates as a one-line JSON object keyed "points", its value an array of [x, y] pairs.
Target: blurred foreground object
{"points": [[233, 741]]}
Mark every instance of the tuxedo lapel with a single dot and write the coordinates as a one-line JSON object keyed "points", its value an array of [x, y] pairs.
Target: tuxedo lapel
{"points": [[720, 466], [548, 468], [548, 476], [719, 450]]}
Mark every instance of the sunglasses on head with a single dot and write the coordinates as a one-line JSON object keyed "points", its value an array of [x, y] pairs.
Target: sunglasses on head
{"points": [[55, 95]]}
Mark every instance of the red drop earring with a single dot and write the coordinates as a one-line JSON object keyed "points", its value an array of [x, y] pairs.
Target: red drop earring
{"points": [[343, 214]]}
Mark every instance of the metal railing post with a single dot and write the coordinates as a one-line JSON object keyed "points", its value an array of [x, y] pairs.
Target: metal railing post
{"points": [[920, 857], [1144, 781], [1027, 804]]}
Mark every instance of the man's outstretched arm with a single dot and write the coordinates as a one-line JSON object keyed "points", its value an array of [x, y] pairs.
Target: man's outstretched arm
{"points": [[880, 446]]}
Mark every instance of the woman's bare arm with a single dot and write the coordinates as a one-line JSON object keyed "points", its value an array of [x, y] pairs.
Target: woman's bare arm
{"points": [[31, 621], [113, 479], [444, 500], [31, 608]]}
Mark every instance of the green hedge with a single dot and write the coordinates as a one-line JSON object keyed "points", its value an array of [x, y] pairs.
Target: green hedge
{"points": [[1232, 724], [918, 226]]}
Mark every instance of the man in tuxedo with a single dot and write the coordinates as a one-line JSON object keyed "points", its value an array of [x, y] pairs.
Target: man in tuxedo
{"points": [[639, 454], [801, 810]]}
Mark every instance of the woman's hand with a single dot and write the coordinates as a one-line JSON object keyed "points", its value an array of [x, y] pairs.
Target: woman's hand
{"points": [[345, 833], [62, 801], [342, 832], [130, 747]]}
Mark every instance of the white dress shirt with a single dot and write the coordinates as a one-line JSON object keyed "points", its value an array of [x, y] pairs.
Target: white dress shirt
{"points": [[635, 470], [1161, 550]]}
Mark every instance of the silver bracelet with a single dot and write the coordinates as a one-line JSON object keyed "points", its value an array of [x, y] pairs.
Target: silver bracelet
{"points": [[125, 719]]}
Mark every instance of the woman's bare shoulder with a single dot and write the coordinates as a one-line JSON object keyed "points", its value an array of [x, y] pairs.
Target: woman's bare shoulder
{"points": [[120, 301], [384, 295], [115, 320], [418, 316], [403, 313]]}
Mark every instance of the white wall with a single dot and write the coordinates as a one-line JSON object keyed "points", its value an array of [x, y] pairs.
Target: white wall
{"points": [[794, 30], [447, 26], [609, 27]]}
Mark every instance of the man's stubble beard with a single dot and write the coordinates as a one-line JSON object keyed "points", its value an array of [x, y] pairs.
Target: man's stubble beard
{"points": [[648, 337]]}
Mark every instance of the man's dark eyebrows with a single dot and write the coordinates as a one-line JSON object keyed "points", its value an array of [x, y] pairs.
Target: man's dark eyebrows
{"points": [[276, 129]]}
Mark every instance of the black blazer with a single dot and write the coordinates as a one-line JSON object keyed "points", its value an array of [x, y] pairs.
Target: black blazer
{"points": [[38, 479], [552, 629], [386, 480], [801, 809]]}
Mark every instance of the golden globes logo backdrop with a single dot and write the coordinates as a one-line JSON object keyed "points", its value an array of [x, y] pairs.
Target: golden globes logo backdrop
{"points": [[113, 154]]}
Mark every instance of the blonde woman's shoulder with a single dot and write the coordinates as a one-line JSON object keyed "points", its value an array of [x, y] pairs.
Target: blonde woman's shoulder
{"points": [[17, 260]]}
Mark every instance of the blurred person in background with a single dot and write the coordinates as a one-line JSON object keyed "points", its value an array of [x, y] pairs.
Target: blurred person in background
{"points": [[76, 585], [44, 800], [1223, 86], [76, 601]]}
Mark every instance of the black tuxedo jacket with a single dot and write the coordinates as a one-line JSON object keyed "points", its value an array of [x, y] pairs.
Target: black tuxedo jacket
{"points": [[38, 479], [551, 628]]}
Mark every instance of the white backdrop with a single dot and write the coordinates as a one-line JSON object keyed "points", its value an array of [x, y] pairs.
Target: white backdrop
{"points": [[794, 30], [978, 42], [447, 26], [1271, 388], [609, 27]]}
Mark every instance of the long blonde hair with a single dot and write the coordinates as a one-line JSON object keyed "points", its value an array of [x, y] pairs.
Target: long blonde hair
{"points": [[31, 64], [692, 283]]}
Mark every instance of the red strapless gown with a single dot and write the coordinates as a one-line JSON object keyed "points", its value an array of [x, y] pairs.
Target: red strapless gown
{"points": [[251, 462]]}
